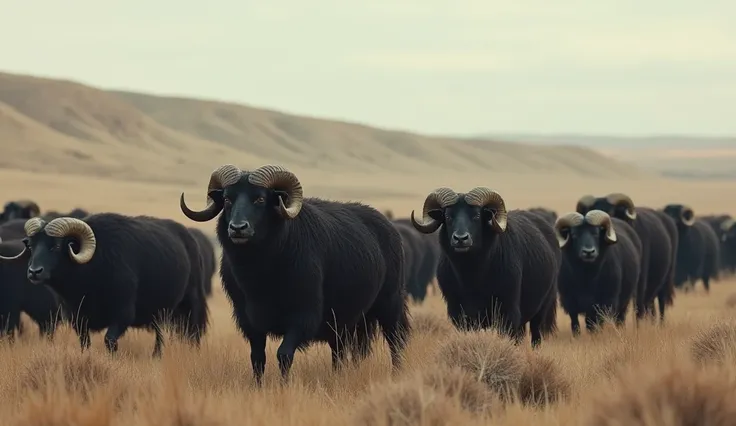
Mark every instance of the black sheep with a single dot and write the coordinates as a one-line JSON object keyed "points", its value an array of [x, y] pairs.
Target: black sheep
{"points": [[426, 258], [497, 268], [19, 209], [412, 244], [698, 254], [721, 225], [304, 269], [728, 243], [208, 256], [17, 295], [600, 267], [548, 214], [75, 213], [666, 295], [117, 272], [658, 250]]}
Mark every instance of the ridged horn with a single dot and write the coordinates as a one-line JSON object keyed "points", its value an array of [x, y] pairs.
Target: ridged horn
{"points": [[438, 199], [221, 177], [569, 220], [276, 177], [70, 227], [31, 206], [601, 218], [33, 225], [487, 198], [619, 199], [687, 211], [585, 203]]}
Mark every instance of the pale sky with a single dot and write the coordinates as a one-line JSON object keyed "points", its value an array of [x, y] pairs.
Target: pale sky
{"points": [[433, 66]]}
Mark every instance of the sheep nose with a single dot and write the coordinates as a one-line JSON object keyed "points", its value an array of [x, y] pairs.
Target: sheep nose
{"points": [[240, 226], [461, 238], [588, 251]]}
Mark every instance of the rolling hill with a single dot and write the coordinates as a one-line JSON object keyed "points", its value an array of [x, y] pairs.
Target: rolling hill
{"points": [[70, 128]]}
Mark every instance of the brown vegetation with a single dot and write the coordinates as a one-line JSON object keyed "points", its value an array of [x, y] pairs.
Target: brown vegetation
{"points": [[57, 134], [637, 377]]}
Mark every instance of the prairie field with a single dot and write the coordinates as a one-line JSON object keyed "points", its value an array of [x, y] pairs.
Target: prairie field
{"points": [[650, 375], [134, 154], [647, 375]]}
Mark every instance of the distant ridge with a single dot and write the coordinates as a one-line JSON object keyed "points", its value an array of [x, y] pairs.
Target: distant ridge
{"points": [[68, 127]]}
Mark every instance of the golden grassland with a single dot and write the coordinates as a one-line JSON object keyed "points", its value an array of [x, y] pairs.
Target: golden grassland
{"points": [[67, 145], [678, 374], [651, 375]]}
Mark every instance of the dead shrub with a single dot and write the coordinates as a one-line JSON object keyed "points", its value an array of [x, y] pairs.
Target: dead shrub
{"points": [[677, 395], [470, 393], [426, 323], [488, 358], [542, 381], [409, 403], [714, 344]]}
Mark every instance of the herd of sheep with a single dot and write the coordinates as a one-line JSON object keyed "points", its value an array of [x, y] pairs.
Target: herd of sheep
{"points": [[312, 270]]}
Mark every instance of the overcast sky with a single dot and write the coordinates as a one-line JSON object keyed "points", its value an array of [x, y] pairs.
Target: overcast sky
{"points": [[462, 66]]}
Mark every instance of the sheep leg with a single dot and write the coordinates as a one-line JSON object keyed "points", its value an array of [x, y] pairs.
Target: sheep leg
{"points": [[9, 325], [159, 341], [575, 324], [285, 353], [593, 319], [512, 327], [337, 342], [80, 327], [257, 355], [115, 332]]}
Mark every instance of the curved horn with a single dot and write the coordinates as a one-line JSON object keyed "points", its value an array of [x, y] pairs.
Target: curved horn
{"points": [[619, 199], [437, 199], [33, 225], [687, 211], [30, 205], [22, 252], [277, 177], [569, 220], [585, 203], [727, 224], [601, 218], [486, 197], [220, 178], [70, 227]]}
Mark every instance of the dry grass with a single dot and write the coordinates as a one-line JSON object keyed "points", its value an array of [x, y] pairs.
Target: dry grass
{"points": [[654, 375], [680, 373]]}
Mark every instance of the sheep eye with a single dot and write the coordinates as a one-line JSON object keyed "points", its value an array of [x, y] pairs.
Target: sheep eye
{"points": [[259, 200]]}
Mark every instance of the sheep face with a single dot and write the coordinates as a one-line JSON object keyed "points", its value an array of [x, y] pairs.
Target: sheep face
{"points": [[250, 211]]}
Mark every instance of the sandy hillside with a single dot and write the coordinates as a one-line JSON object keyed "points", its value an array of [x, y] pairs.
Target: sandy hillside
{"points": [[67, 144]]}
